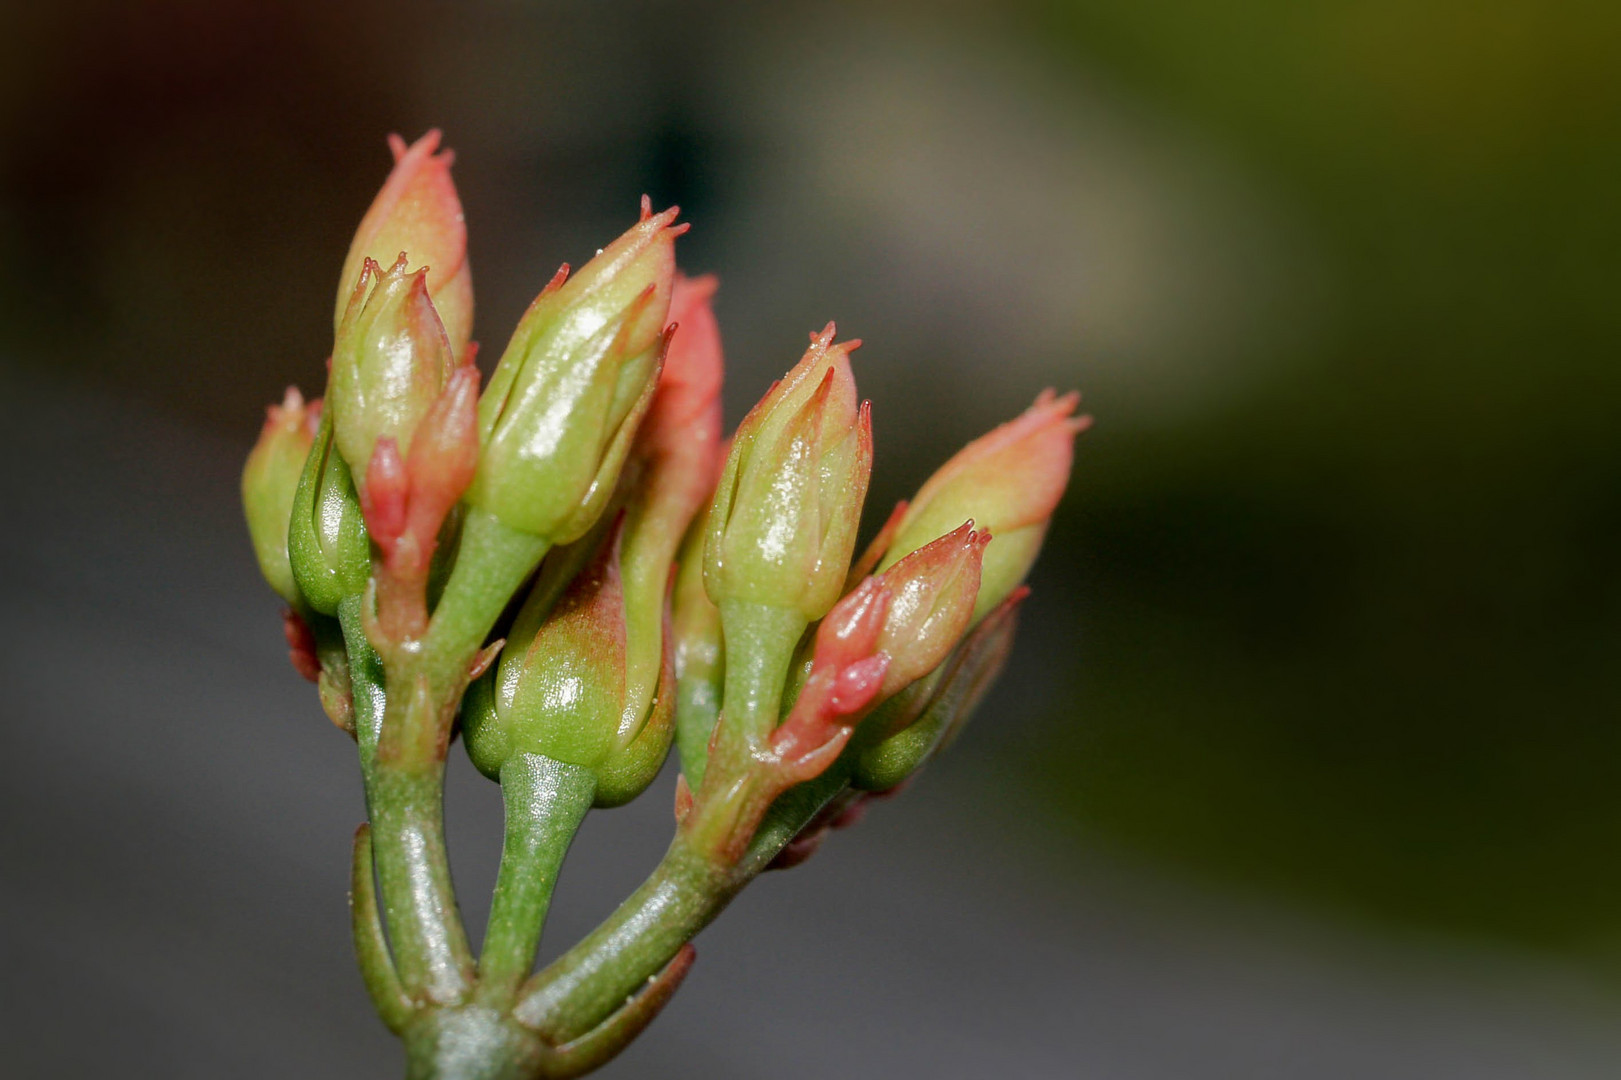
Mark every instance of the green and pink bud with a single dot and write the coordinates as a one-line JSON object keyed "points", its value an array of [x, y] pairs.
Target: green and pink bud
{"points": [[406, 501], [932, 592], [270, 483], [560, 688], [561, 411], [1008, 481], [389, 363], [677, 460], [954, 695], [418, 214], [785, 514]]}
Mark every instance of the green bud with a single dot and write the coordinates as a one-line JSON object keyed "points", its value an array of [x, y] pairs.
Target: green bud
{"points": [[560, 413], [270, 483], [326, 537], [390, 361], [783, 522], [559, 689]]}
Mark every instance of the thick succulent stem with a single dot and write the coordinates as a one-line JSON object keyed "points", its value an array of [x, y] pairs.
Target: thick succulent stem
{"points": [[546, 801]]}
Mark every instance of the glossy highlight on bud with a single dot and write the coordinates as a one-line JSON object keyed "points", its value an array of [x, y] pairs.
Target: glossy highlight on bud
{"points": [[784, 519], [933, 592], [561, 411], [270, 483], [389, 363], [559, 688], [1008, 480], [418, 213]]}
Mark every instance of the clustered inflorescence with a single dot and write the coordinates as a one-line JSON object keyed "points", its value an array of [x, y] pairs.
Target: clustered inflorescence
{"points": [[572, 569]]}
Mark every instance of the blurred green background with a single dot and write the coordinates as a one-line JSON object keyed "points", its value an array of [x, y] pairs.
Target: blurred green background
{"points": [[1332, 609]]}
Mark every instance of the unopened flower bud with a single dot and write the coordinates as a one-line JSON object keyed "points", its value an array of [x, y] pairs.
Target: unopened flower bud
{"points": [[560, 413], [559, 689], [326, 537], [785, 514], [678, 458], [956, 692], [417, 212], [932, 600], [389, 363], [1008, 481], [270, 482]]}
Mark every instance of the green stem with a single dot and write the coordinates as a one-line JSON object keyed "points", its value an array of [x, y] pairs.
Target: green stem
{"points": [[393, 1005], [685, 892], [491, 563], [413, 870], [546, 801], [595, 977], [760, 642], [365, 681]]}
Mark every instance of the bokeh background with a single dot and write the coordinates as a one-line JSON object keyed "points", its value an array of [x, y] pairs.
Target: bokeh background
{"points": [[1307, 765]]}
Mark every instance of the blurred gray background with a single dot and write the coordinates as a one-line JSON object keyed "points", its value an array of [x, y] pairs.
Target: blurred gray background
{"points": [[1305, 767]]}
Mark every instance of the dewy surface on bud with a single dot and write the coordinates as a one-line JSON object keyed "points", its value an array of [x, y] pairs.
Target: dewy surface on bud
{"points": [[1008, 481], [559, 415], [789, 501], [389, 363], [270, 482], [418, 212]]}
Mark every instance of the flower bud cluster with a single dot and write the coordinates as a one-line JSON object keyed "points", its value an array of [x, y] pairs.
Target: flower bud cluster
{"points": [[573, 565]]}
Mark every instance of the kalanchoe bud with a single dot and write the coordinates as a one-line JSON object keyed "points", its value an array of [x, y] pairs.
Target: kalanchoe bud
{"points": [[961, 685], [561, 410], [677, 461], [1008, 481], [559, 689], [270, 482], [933, 591], [389, 363], [417, 212], [789, 500], [326, 538], [406, 502]]}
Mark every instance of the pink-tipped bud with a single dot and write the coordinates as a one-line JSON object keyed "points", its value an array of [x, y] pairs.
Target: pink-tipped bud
{"points": [[405, 502], [418, 212], [678, 460], [847, 673], [933, 590], [1008, 481], [783, 523], [270, 483], [561, 411], [389, 363]]}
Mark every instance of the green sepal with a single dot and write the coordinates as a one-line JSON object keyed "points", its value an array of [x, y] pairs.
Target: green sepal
{"points": [[326, 538]]}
